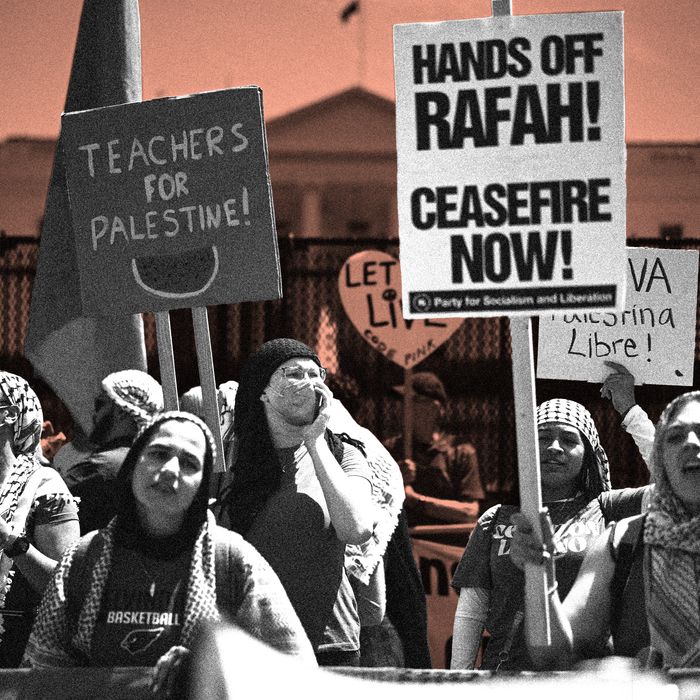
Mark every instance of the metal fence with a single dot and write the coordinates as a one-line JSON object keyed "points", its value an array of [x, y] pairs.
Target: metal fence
{"points": [[474, 363]]}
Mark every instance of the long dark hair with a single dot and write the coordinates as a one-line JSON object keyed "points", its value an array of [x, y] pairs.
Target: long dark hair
{"points": [[257, 472]]}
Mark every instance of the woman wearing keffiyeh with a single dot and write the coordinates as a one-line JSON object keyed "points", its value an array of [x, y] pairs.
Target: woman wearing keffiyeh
{"points": [[657, 598], [137, 592], [38, 516], [575, 480]]}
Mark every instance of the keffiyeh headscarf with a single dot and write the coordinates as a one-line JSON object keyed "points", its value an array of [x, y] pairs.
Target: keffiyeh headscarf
{"points": [[15, 390], [26, 436], [45, 647], [672, 558], [596, 475], [387, 495], [134, 392]]}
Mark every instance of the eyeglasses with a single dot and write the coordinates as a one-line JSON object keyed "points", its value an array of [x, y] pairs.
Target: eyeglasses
{"points": [[297, 374]]}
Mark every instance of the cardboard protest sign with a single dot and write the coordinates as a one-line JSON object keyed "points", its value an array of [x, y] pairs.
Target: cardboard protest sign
{"points": [[653, 337], [370, 291], [511, 164], [436, 563], [171, 203]]}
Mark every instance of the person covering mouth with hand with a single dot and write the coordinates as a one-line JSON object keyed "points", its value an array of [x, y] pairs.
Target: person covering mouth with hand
{"points": [[300, 493]]}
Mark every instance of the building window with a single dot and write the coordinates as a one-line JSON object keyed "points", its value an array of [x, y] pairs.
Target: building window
{"points": [[671, 232], [284, 228], [358, 228]]}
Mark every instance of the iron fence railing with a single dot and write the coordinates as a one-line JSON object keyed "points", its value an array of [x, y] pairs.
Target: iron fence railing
{"points": [[474, 363]]}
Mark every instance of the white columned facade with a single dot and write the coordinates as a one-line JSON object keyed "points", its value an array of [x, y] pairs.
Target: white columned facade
{"points": [[393, 217], [311, 215]]}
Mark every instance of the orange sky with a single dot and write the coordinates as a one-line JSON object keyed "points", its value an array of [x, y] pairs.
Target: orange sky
{"points": [[298, 51]]}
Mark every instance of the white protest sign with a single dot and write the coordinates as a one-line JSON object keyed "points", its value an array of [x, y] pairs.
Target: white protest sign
{"points": [[653, 337], [511, 164]]}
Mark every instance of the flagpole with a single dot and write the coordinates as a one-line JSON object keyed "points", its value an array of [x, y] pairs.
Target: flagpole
{"points": [[361, 45]]}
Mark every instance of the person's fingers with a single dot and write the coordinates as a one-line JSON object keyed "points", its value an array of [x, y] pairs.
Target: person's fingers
{"points": [[526, 552], [547, 530], [173, 673], [160, 673], [521, 522], [620, 369]]}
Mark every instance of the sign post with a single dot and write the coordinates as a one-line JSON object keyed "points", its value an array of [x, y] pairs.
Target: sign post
{"points": [[166, 361], [171, 208], [369, 284], [511, 187], [528, 450]]}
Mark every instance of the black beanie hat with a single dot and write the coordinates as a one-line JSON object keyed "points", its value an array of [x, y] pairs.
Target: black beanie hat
{"points": [[258, 369]]}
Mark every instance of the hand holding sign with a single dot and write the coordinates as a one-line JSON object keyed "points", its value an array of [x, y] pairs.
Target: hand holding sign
{"points": [[619, 387], [370, 291]]}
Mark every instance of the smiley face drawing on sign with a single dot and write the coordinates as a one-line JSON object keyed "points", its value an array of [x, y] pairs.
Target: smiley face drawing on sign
{"points": [[179, 275], [370, 291]]}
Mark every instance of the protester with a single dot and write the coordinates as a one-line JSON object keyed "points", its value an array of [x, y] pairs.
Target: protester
{"points": [[442, 478], [300, 493], [639, 579], [127, 399], [137, 592], [38, 516], [576, 488]]}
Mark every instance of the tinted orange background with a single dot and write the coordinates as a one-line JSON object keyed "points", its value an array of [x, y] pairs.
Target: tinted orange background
{"points": [[299, 52]]}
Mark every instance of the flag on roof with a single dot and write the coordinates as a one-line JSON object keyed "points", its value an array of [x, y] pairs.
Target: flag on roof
{"points": [[349, 10]]}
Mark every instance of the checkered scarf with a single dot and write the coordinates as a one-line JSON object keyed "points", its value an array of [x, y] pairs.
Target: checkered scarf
{"points": [[26, 438], [574, 414], [387, 495], [28, 428], [672, 560], [134, 392], [46, 646]]}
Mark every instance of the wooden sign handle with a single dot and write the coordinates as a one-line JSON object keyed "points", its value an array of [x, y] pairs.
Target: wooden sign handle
{"points": [[205, 363], [536, 601], [408, 413], [166, 361], [501, 8]]}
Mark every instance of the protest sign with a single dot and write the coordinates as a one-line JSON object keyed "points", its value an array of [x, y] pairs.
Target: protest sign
{"points": [[653, 337], [171, 203], [370, 291], [511, 164], [436, 563]]}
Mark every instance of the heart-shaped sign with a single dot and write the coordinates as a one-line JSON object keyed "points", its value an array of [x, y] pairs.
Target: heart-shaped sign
{"points": [[370, 290]]}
